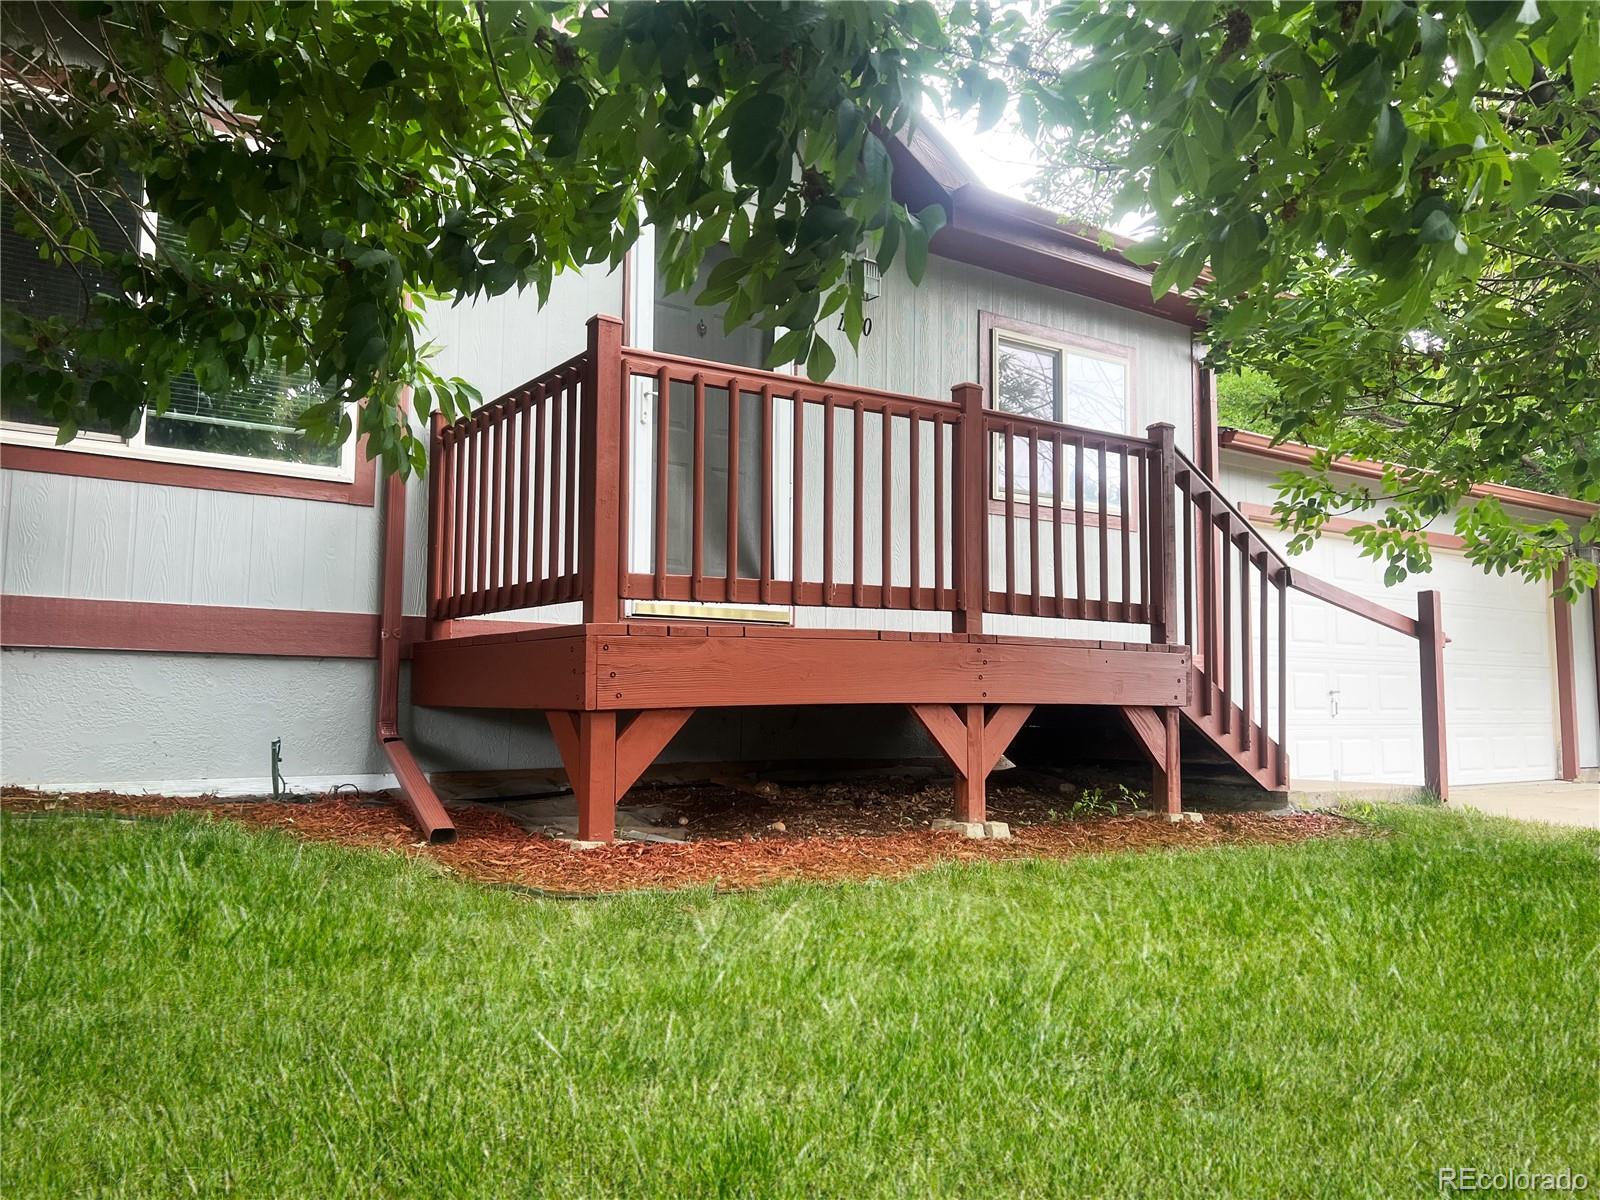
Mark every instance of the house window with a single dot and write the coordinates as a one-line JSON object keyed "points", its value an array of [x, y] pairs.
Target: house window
{"points": [[251, 428], [1052, 377]]}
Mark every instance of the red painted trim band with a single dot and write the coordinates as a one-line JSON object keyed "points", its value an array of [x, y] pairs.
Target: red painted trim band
{"points": [[68, 623], [1263, 512], [86, 464]]}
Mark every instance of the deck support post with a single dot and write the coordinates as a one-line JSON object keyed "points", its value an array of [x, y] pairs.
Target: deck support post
{"points": [[1566, 684], [972, 737], [1167, 777], [416, 793], [972, 802], [1430, 647], [1162, 528], [1158, 732], [604, 758]]}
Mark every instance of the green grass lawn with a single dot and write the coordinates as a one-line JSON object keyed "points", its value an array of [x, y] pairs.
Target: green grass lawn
{"points": [[191, 1007]]}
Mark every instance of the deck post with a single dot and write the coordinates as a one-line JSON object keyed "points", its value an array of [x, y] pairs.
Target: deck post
{"points": [[971, 799], [599, 537], [1161, 525], [1167, 777], [1430, 646], [970, 517], [596, 781], [436, 524], [1566, 684]]}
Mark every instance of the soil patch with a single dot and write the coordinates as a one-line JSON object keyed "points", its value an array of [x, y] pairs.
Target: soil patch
{"points": [[854, 836]]}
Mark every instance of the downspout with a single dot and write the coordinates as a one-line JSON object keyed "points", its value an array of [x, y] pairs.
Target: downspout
{"points": [[416, 794]]}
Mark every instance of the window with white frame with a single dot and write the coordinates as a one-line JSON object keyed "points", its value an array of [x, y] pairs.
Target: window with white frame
{"points": [[250, 428], [1046, 379]]}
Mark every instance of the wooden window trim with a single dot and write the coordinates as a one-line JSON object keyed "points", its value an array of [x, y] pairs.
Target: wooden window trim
{"points": [[90, 464], [990, 324]]}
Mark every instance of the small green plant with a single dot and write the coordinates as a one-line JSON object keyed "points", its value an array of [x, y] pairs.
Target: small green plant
{"points": [[1358, 810], [1091, 802]]}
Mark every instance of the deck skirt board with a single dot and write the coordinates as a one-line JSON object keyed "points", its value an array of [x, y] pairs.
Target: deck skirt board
{"points": [[612, 667]]}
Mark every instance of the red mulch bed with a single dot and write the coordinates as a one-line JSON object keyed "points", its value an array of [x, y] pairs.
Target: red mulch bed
{"points": [[492, 848]]}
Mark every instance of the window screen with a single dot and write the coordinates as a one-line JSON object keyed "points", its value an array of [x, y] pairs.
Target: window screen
{"points": [[1058, 383], [35, 287], [254, 421]]}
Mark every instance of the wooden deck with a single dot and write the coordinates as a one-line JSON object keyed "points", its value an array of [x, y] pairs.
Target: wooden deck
{"points": [[851, 498], [616, 693]]}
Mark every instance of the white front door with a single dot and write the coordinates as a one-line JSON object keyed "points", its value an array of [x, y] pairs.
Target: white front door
{"points": [[676, 325]]}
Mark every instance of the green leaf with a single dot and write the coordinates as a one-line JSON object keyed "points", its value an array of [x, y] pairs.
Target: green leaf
{"points": [[916, 252], [1143, 254], [789, 347], [1586, 62], [379, 75], [820, 362], [563, 117], [932, 219], [1390, 141], [755, 138], [1437, 227]]}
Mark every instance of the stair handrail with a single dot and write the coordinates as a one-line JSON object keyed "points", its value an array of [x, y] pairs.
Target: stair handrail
{"points": [[1258, 544], [1426, 628]]}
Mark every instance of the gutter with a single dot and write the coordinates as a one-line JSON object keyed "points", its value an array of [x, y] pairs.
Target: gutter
{"points": [[416, 794], [1300, 455]]}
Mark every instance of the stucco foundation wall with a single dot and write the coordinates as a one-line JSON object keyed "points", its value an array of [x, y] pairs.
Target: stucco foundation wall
{"points": [[92, 719], [85, 718]]}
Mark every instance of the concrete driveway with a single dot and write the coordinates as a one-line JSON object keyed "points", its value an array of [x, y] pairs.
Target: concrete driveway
{"points": [[1555, 802]]}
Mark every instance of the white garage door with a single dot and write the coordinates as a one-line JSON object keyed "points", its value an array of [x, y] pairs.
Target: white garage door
{"points": [[1355, 708]]}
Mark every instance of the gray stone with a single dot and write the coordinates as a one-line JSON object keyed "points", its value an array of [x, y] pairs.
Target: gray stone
{"points": [[557, 817], [996, 829], [967, 829]]}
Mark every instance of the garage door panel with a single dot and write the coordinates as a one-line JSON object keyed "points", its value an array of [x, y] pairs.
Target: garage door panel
{"points": [[1394, 694], [1353, 632], [1312, 758], [1401, 757], [1499, 672]]}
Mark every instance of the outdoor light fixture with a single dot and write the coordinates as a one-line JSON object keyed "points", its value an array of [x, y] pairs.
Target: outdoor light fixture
{"points": [[871, 279]]}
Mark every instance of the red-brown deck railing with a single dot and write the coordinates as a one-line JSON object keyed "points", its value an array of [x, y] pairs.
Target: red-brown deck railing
{"points": [[863, 465], [504, 500], [1241, 659], [891, 499]]}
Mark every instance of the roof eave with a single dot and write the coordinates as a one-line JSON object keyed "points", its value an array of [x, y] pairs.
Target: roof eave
{"points": [[1299, 454]]}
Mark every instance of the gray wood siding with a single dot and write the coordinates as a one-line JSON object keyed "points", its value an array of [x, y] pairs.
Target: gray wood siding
{"points": [[110, 540]]}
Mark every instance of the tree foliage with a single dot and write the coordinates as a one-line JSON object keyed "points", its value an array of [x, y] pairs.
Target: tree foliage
{"points": [[1389, 209], [1397, 208], [333, 168]]}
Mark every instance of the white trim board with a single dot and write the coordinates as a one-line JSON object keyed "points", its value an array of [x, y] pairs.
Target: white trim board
{"points": [[250, 785]]}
